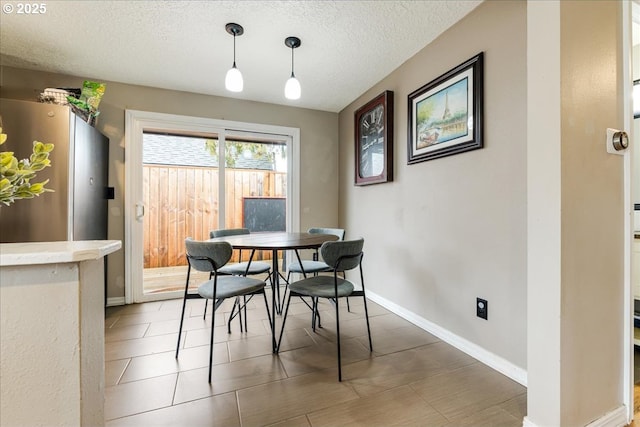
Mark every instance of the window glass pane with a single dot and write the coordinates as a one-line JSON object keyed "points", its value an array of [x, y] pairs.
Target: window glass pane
{"points": [[181, 197], [256, 185], [180, 188]]}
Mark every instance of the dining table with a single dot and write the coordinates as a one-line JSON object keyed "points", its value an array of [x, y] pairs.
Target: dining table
{"points": [[275, 242]]}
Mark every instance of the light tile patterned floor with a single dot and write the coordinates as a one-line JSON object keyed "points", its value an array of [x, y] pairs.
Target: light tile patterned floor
{"points": [[411, 378]]}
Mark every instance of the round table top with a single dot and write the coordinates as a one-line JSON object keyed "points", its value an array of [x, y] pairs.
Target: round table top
{"points": [[277, 240]]}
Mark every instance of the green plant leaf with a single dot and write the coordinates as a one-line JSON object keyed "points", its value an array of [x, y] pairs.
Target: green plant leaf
{"points": [[16, 175]]}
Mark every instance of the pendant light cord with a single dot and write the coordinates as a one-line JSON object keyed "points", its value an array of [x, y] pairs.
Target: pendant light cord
{"points": [[234, 49], [292, 75]]}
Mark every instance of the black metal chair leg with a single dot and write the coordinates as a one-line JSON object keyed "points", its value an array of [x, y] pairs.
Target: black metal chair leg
{"points": [[280, 301], [232, 315], [213, 320], [206, 301], [366, 316], [273, 282], [184, 306], [338, 338], [266, 303], [344, 276], [366, 311], [318, 313], [246, 327], [314, 311], [284, 321]]}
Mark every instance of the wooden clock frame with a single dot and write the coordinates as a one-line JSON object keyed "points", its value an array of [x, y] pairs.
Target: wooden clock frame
{"points": [[385, 99]]}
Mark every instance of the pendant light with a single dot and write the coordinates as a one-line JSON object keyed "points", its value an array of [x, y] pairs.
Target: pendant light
{"points": [[233, 82], [292, 88]]}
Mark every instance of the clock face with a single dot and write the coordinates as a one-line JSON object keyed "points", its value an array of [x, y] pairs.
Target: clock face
{"points": [[372, 142]]}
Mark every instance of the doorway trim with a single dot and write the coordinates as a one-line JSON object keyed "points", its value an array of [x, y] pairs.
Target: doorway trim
{"points": [[136, 122], [627, 110]]}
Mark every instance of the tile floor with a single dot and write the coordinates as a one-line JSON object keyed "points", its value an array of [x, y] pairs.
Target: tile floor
{"points": [[411, 378]]}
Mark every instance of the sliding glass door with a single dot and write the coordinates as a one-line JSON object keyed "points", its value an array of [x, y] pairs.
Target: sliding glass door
{"points": [[192, 180]]}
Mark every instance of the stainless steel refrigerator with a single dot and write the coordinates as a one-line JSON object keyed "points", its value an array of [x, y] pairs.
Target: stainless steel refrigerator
{"points": [[77, 209]]}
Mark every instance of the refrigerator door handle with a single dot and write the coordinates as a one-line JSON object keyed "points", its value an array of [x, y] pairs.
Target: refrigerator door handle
{"points": [[139, 211]]}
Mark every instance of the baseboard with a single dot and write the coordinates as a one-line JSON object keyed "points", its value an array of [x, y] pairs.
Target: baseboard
{"points": [[115, 301], [615, 418], [492, 360]]}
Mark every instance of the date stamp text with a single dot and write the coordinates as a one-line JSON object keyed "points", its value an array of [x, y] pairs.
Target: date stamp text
{"points": [[24, 8]]}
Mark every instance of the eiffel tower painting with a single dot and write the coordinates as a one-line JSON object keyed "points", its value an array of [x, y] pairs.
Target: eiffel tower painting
{"points": [[447, 113]]}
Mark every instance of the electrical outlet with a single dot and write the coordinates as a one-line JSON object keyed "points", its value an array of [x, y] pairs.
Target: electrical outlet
{"points": [[482, 308]]}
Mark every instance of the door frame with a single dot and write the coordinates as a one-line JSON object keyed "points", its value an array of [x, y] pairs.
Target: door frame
{"points": [[136, 122], [627, 109]]}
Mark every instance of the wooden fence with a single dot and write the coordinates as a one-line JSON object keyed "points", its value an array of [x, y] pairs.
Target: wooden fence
{"points": [[182, 202]]}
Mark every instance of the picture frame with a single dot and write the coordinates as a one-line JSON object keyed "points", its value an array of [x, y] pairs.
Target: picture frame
{"points": [[373, 123], [445, 116]]}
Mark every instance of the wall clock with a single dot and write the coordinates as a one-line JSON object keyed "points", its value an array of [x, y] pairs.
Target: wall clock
{"points": [[374, 140]]}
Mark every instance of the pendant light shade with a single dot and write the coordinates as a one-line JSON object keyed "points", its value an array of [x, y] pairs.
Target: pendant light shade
{"points": [[233, 81], [292, 89]]}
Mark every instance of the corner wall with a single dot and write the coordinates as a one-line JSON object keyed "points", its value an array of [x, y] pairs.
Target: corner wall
{"points": [[452, 229], [318, 140], [576, 215]]}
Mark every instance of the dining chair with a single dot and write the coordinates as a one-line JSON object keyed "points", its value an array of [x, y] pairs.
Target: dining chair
{"points": [[210, 257], [314, 266], [241, 268], [341, 256]]}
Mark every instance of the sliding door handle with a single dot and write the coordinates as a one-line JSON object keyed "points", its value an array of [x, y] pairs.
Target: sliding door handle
{"points": [[139, 211]]}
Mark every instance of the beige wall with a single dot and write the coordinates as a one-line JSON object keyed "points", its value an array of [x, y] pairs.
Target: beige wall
{"points": [[318, 140], [452, 229]]}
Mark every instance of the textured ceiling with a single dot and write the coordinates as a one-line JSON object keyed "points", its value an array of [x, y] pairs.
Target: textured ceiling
{"points": [[347, 46]]}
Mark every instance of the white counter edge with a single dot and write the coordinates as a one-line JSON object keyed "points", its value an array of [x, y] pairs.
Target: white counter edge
{"points": [[30, 253]]}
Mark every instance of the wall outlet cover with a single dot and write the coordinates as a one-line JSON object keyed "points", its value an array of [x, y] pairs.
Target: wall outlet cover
{"points": [[482, 308]]}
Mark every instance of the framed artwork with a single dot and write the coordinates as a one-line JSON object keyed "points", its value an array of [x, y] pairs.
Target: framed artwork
{"points": [[445, 115], [374, 140]]}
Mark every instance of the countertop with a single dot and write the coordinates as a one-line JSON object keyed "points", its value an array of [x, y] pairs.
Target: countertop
{"points": [[12, 254]]}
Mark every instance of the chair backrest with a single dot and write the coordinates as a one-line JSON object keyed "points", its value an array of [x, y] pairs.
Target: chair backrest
{"points": [[199, 254], [333, 253], [339, 232], [224, 232]]}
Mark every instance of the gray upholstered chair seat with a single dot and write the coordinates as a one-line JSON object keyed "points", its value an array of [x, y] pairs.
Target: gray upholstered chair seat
{"points": [[322, 287], [240, 269], [309, 266], [230, 286]]}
